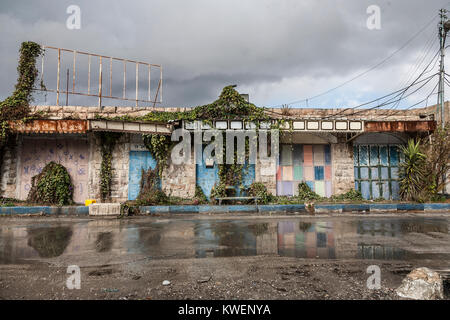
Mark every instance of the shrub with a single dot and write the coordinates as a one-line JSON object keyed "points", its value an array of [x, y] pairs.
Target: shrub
{"points": [[351, 195], [305, 192], [219, 190], [199, 196], [412, 173], [150, 193], [52, 186], [258, 189]]}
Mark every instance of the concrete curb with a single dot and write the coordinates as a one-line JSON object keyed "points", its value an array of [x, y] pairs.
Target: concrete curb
{"points": [[72, 210], [300, 208], [289, 208]]}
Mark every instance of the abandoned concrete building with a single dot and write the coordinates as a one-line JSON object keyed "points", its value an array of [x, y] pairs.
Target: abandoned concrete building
{"points": [[331, 154]]}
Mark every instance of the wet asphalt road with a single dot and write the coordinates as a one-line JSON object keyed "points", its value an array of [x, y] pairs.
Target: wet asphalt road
{"points": [[91, 242]]}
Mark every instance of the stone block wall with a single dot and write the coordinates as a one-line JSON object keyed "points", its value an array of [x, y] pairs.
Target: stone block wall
{"points": [[342, 167], [179, 180], [120, 167], [266, 173], [8, 172]]}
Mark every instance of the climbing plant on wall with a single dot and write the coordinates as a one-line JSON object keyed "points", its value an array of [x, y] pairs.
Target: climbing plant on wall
{"points": [[159, 147], [108, 141], [16, 106], [52, 186], [230, 105]]}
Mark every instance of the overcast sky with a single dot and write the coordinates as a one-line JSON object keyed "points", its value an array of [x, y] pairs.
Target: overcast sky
{"points": [[277, 51]]}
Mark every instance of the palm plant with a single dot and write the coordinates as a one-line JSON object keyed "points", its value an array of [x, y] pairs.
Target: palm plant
{"points": [[412, 172]]}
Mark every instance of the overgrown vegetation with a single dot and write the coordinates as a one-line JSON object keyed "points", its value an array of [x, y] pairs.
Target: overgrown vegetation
{"points": [[229, 105], [351, 195], [52, 186], [412, 172], [426, 167], [150, 193], [199, 196], [107, 141], [305, 193], [16, 106], [258, 189], [159, 147]]}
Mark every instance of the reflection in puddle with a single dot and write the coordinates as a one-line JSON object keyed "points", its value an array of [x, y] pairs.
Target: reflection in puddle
{"points": [[49, 242], [382, 238], [104, 242]]}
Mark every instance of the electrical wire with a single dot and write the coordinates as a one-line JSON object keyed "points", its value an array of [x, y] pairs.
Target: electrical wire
{"points": [[366, 71], [401, 90]]}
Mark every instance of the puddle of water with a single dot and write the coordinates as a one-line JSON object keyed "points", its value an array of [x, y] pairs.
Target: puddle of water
{"points": [[356, 238]]}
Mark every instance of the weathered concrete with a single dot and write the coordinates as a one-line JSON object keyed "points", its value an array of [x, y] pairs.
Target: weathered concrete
{"points": [[422, 284], [104, 209], [179, 180], [342, 167], [8, 174]]}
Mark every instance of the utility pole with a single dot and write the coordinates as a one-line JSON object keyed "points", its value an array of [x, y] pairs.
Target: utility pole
{"points": [[442, 35]]}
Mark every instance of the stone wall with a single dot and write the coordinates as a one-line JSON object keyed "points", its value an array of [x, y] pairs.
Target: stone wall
{"points": [[179, 180], [83, 112], [265, 172], [342, 167], [8, 173], [120, 167]]}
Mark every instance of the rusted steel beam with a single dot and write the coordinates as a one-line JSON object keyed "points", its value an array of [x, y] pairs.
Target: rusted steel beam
{"points": [[400, 126], [49, 126]]}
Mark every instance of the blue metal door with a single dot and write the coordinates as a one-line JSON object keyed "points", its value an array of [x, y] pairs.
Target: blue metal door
{"points": [[138, 160], [376, 171], [207, 177]]}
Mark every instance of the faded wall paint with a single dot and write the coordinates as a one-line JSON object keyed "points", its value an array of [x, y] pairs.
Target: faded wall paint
{"points": [[304, 162], [72, 153]]}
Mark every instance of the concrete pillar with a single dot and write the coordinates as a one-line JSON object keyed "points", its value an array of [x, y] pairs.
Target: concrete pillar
{"points": [[342, 163]]}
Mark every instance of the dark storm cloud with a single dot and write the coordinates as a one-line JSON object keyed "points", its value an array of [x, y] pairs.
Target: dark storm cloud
{"points": [[277, 51]]}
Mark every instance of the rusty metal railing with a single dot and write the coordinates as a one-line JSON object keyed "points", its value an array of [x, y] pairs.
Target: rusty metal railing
{"points": [[153, 96]]}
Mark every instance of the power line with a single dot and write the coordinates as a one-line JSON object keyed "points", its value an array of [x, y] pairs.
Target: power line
{"points": [[412, 106], [430, 43], [416, 81], [366, 71], [402, 97]]}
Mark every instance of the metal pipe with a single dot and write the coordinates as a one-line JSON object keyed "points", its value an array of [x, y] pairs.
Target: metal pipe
{"points": [[137, 83], [110, 76], [89, 75], [149, 83], [161, 79], [74, 70], [57, 81], [100, 74], [67, 87], [124, 78], [42, 65]]}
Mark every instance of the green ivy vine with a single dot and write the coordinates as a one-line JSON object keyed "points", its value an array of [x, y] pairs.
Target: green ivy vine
{"points": [[230, 105], [108, 141], [52, 186], [159, 147], [16, 106]]}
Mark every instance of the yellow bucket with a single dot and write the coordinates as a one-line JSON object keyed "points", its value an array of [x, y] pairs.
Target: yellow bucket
{"points": [[88, 202]]}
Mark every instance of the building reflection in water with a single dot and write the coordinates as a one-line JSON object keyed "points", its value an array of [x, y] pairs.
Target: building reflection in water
{"points": [[336, 239], [306, 240]]}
